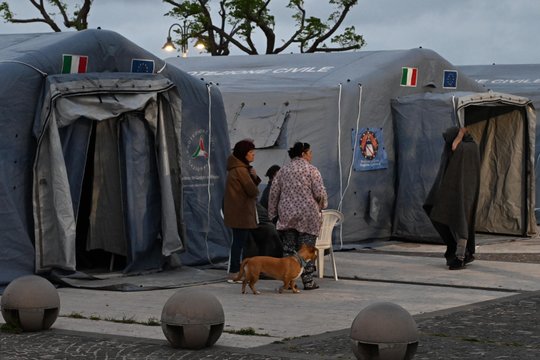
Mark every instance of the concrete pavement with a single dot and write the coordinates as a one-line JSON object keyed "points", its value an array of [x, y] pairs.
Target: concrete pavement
{"points": [[421, 284]]}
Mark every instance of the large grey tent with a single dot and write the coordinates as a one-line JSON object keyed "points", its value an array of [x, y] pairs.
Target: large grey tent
{"points": [[341, 104], [518, 79], [105, 150]]}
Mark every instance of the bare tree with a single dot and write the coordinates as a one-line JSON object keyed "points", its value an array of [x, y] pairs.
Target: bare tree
{"points": [[48, 12], [235, 23]]}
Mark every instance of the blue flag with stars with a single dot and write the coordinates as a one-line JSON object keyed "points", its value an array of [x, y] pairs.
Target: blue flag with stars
{"points": [[142, 66], [450, 79]]}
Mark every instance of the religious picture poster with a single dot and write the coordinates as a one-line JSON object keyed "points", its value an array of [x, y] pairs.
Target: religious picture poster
{"points": [[369, 150]]}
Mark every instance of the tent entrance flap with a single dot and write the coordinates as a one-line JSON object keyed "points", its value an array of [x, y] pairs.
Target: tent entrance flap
{"points": [[501, 135], [123, 215], [105, 221], [100, 233], [102, 177]]}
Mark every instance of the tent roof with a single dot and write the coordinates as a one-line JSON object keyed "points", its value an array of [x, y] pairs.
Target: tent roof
{"points": [[106, 50], [305, 70], [513, 78]]}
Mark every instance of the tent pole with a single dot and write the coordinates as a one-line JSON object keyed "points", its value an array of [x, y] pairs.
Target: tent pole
{"points": [[111, 264]]}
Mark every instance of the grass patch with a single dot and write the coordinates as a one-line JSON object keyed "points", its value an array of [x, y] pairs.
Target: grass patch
{"points": [[440, 335], [124, 320], [153, 322], [76, 315], [514, 344], [245, 331], [12, 329]]}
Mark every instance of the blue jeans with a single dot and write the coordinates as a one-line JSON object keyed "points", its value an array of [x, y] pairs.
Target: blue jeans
{"points": [[239, 241]]}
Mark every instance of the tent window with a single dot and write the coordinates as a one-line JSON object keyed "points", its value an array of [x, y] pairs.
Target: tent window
{"points": [[262, 122]]}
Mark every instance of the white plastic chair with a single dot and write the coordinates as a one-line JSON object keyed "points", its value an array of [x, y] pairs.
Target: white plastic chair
{"points": [[330, 218]]}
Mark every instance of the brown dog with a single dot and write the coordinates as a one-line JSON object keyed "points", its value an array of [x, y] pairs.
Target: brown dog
{"points": [[287, 269]]}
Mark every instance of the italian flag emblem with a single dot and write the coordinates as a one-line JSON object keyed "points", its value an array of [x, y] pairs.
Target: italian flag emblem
{"points": [[409, 76], [74, 64]]}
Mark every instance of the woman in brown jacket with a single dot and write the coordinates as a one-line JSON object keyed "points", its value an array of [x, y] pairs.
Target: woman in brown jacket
{"points": [[239, 205]]}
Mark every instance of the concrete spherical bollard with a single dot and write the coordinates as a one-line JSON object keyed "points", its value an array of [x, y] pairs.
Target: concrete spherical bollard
{"points": [[192, 319], [384, 331], [31, 303]]}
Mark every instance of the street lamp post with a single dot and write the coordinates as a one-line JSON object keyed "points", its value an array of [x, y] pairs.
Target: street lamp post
{"points": [[184, 36]]}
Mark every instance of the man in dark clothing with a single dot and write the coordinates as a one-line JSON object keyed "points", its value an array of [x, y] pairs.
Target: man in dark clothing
{"points": [[270, 173], [452, 201], [264, 240]]}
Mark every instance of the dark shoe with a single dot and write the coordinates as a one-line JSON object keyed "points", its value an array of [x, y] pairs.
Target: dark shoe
{"points": [[312, 287], [468, 259], [456, 264], [450, 259]]}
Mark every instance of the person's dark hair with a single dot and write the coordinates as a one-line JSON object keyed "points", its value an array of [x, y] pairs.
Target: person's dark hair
{"points": [[241, 149], [272, 170], [298, 149]]}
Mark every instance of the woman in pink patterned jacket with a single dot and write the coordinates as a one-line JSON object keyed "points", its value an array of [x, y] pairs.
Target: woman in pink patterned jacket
{"points": [[297, 197]]}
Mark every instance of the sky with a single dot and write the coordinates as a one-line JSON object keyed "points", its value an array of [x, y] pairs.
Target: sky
{"points": [[465, 32]]}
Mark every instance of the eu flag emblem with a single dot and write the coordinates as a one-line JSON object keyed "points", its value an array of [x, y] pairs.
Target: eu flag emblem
{"points": [[450, 79], [142, 66]]}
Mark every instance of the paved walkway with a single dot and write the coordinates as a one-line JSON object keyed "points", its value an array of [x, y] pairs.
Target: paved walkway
{"points": [[489, 310]]}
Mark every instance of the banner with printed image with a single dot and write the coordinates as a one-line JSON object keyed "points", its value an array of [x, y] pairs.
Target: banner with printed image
{"points": [[369, 150]]}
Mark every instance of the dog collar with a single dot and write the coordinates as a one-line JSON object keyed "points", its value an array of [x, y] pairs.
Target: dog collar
{"points": [[301, 260]]}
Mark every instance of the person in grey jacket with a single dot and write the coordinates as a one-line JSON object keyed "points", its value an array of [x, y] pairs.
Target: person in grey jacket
{"points": [[239, 205]]}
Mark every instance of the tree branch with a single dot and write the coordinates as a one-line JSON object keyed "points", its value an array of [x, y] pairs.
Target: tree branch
{"points": [[231, 39], [62, 9], [80, 22], [263, 25], [82, 15], [46, 18], [296, 33], [332, 30]]}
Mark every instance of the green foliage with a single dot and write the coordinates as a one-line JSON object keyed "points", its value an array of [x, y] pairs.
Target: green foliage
{"points": [[221, 24], [123, 320], [5, 11], [245, 331], [152, 321], [349, 38], [9, 328], [76, 315]]}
